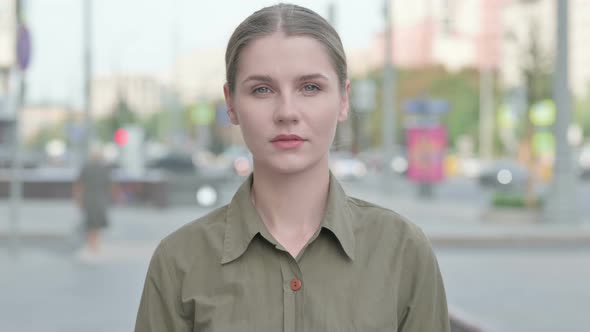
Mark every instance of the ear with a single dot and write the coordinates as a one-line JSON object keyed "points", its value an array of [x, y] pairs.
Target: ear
{"points": [[233, 116], [345, 106]]}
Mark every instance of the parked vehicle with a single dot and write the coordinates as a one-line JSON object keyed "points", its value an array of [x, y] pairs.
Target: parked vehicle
{"points": [[345, 166], [584, 162], [504, 174], [186, 183], [375, 161]]}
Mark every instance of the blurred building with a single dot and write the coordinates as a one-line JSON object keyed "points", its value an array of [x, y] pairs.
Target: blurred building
{"points": [[199, 75], [523, 19], [480, 34], [35, 118], [143, 94], [452, 33]]}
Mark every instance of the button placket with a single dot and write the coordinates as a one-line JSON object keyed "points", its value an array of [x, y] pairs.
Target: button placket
{"points": [[296, 284], [292, 293]]}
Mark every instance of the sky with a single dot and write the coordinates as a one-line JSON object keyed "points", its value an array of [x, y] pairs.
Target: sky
{"points": [[145, 36]]}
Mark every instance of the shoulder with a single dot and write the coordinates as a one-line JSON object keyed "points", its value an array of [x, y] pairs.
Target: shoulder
{"points": [[207, 227], [401, 245], [369, 217], [200, 239]]}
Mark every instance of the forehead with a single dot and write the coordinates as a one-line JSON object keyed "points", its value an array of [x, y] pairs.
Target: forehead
{"points": [[281, 56]]}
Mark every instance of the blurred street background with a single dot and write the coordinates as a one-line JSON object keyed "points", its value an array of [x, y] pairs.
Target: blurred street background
{"points": [[469, 117]]}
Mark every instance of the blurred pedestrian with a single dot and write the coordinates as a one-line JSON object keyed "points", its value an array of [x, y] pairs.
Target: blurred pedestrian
{"points": [[291, 251], [92, 192]]}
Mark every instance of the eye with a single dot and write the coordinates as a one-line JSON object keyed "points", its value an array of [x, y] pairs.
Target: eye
{"points": [[311, 88], [261, 90]]}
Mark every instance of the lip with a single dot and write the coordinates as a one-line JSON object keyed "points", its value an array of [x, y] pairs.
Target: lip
{"points": [[287, 141], [290, 137]]}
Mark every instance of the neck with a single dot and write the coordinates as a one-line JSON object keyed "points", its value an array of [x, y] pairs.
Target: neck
{"points": [[291, 205]]}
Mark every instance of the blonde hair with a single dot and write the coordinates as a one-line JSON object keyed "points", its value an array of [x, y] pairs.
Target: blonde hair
{"points": [[292, 20]]}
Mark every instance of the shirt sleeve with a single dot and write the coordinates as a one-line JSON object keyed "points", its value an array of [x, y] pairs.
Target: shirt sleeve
{"points": [[160, 308], [427, 309]]}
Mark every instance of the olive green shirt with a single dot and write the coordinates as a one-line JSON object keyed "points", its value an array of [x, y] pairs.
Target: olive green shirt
{"points": [[365, 269]]}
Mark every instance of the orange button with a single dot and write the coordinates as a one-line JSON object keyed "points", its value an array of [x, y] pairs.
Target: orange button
{"points": [[295, 284]]}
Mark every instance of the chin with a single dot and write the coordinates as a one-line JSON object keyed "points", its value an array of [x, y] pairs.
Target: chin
{"points": [[289, 167]]}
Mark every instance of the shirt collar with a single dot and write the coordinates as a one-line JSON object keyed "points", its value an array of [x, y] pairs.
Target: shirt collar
{"points": [[243, 222]]}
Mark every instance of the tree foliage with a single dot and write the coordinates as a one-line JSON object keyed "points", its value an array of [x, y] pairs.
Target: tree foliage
{"points": [[460, 89], [121, 116]]}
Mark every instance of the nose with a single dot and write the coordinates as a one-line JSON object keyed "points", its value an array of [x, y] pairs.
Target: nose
{"points": [[286, 110]]}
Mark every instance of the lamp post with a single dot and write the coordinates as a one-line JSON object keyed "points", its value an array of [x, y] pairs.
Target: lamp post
{"points": [[388, 128], [561, 203], [87, 97]]}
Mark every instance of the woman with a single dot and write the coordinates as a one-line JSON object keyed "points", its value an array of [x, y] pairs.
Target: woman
{"points": [[92, 192], [291, 252]]}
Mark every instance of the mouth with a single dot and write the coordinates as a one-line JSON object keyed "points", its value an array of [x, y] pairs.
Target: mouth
{"points": [[286, 138], [287, 142]]}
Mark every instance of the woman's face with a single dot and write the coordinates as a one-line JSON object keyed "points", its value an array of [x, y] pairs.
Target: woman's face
{"points": [[287, 101]]}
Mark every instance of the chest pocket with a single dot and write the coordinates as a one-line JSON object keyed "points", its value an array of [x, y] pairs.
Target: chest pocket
{"points": [[237, 309], [347, 311]]}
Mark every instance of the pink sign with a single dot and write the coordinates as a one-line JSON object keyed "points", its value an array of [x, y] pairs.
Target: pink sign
{"points": [[426, 151]]}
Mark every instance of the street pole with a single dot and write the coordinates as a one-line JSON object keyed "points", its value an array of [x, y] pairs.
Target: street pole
{"points": [[388, 134], [486, 114], [16, 178], [561, 203], [332, 14], [332, 20], [16, 191], [180, 135], [88, 125]]}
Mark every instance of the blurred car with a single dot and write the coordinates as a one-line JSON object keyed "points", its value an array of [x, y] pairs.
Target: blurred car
{"points": [[400, 163], [345, 166], [584, 162], [239, 160], [187, 184], [235, 162], [374, 160], [174, 163], [504, 174], [470, 167], [28, 158]]}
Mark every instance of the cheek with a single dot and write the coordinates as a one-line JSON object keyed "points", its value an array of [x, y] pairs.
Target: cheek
{"points": [[248, 112], [250, 127], [252, 122], [325, 115], [324, 126]]}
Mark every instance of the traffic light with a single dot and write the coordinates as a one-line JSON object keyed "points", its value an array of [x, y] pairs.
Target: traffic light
{"points": [[130, 140], [121, 137]]}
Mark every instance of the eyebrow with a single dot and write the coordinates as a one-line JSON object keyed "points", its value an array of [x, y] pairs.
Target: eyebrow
{"points": [[268, 79], [260, 78], [311, 77]]}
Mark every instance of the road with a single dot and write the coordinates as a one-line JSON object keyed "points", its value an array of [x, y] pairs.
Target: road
{"points": [[524, 290], [508, 289], [467, 191]]}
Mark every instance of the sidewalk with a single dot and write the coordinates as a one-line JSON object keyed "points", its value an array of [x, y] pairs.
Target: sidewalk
{"points": [[449, 222], [446, 222], [515, 281]]}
